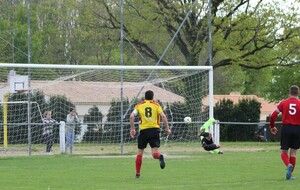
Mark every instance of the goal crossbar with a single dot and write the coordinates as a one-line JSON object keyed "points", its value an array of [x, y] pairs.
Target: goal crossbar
{"points": [[112, 67]]}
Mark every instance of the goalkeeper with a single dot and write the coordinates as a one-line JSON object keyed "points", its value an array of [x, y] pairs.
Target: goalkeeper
{"points": [[206, 138]]}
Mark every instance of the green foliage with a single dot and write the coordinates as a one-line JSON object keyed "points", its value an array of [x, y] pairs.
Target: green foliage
{"points": [[247, 110], [112, 128], [93, 120], [249, 39], [229, 79], [247, 81], [224, 110], [60, 106], [283, 79], [257, 81]]}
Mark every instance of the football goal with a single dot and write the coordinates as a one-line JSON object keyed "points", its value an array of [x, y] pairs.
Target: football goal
{"points": [[104, 97]]}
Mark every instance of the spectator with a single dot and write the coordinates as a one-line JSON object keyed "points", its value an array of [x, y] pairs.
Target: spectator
{"points": [[72, 121], [49, 123]]}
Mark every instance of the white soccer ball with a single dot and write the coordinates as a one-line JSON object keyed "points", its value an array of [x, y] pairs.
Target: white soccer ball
{"points": [[187, 120]]}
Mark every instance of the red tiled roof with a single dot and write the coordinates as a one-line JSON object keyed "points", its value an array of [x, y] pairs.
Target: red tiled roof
{"points": [[235, 97], [102, 92]]}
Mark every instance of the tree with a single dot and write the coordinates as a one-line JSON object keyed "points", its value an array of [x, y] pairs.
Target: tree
{"points": [[93, 118], [60, 106], [112, 128], [247, 110], [249, 39], [283, 79], [244, 33]]}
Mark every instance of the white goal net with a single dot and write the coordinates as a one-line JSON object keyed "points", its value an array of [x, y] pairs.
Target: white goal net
{"points": [[104, 97]]}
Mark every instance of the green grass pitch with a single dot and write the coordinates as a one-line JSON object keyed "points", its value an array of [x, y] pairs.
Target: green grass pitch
{"points": [[241, 167]]}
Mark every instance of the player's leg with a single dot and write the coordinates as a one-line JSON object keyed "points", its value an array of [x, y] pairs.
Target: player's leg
{"points": [[285, 143], [155, 144], [213, 148], [218, 151], [157, 155], [138, 162], [286, 160], [295, 146], [142, 144], [293, 155], [285, 157], [155, 152]]}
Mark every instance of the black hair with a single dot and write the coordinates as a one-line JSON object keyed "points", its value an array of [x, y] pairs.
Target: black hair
{"points": [[149, 95], [294, 90], [71, 109], [204, 134]]}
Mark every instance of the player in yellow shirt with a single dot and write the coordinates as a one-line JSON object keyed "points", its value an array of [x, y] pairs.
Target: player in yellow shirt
{"points": [[150, 113]]}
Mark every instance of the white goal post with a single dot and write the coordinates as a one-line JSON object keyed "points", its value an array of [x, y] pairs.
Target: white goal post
{"points": [[104, 96]]}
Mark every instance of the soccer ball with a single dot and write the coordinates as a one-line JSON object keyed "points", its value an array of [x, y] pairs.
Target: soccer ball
{"points": [[187, 120]]}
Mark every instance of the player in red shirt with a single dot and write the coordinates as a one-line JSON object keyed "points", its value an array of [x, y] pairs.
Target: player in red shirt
{"points": [[290, 131]]}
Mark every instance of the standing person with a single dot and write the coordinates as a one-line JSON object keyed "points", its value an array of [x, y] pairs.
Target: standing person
{"points": [[290, 131], [49, 123], [150, 113], [72, 121]]}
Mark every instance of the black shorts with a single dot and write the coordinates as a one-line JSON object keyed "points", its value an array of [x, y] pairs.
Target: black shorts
{"points": [[290, 137], [210, 147], [151, 136]]}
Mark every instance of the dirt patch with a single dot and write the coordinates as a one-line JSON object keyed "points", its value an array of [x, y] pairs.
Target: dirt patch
{"points": [[171, 150]]}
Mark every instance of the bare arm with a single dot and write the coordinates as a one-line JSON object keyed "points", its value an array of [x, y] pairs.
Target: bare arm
{"points": [[132, 129], [165, 120], [273, 129]]}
